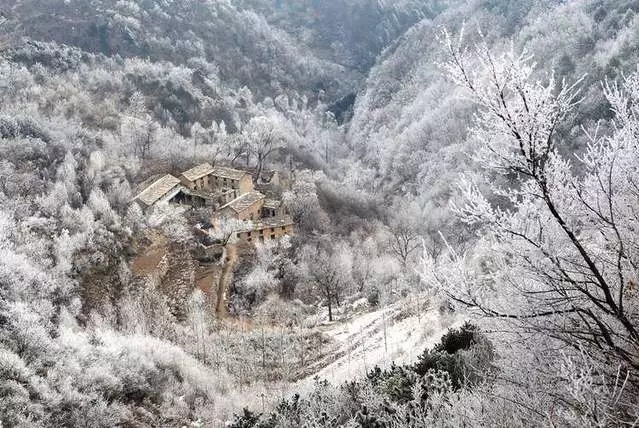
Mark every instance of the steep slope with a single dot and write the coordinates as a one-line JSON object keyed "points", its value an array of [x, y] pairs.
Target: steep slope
{"points": [[396, 334], [349, 32], [246, 50], [409, 124]]}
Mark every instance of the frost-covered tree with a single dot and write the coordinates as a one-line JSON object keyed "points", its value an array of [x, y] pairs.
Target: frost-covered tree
{"points": [[558, 253], [330, 274], [264, 135], [303, 204], [405, 227]]}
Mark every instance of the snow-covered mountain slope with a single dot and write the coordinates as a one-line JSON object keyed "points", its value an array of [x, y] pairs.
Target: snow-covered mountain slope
{"points": [[398, 334]]}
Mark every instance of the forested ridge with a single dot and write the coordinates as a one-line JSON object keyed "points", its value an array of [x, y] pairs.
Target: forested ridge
{"points": [[462, 177]]}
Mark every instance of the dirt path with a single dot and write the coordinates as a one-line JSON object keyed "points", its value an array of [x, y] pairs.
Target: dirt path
{"points": [[230, 260]]}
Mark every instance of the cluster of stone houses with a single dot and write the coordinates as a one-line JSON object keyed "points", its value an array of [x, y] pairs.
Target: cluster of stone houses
{"points": [[230, 193]]}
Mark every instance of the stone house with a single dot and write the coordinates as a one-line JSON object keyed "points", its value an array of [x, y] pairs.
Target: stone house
{"points": [[198, 177], [229, 178], [247, 206], [225, 196], [207, 177], [266, 229]]}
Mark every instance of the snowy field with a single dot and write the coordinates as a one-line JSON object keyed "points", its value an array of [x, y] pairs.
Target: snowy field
{"points": [[398, 333]]}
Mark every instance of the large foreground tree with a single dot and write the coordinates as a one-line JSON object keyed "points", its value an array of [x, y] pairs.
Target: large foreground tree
{"points": [[559, 249]]}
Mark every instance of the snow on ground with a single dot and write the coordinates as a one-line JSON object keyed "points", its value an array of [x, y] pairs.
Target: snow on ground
{"points": [[398, 333]]}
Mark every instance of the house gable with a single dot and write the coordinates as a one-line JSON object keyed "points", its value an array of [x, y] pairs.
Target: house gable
{"points": [[245, 207], [197, 177]]}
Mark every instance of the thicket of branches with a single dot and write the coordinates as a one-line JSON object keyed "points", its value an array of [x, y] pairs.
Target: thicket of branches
{"points": [[557, 257]]}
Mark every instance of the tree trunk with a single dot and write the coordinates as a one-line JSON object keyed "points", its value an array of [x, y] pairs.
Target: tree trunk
{"points": [[260, 163]]}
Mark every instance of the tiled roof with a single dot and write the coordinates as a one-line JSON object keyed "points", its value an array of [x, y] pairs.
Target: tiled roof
{"points": [[272, 203], [198, 172], [224, 172], [241, 203], [157, 190], [266, 223]]}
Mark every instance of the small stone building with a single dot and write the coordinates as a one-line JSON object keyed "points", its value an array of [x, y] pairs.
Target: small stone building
{"points": [[266, 229], [229, 178], [225, 196], [197, 178], [210, 178], [246, 207]]}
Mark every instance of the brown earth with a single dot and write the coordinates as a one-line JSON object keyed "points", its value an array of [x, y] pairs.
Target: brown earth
{"points": [[174, 272]]}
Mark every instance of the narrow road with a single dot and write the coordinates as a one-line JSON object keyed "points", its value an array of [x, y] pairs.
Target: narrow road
{"points": [[230, 260]]}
